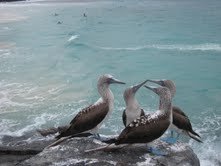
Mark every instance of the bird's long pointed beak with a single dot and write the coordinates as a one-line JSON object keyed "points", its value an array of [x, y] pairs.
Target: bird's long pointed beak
{"points": [[159, 82], [116, 81], [138, 86], [153, 88]]}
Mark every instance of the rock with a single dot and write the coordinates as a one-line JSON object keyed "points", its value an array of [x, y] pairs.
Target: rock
{"points": [[72, 152], [14, 150], [11, 160]]}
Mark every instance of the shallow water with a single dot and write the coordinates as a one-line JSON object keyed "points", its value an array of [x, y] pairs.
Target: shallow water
{"points": [[48, 71]]}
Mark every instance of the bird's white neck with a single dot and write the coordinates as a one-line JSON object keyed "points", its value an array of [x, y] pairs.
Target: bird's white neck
{"points": [[106, 93], [166, 106], [132, 104], [133, 110]]}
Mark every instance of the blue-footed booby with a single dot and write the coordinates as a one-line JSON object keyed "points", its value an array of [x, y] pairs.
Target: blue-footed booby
{"points": [[133, 110], [91, 118], [181, 122], [147, 128]]}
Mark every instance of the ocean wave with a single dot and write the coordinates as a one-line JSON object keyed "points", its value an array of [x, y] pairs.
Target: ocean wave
{"points": [[14, 95], [20, 95], [6, 49], [6, 17], [7, 126], [4, 29], [179, 47], [74, 37], [209, 129], [6, 45]]}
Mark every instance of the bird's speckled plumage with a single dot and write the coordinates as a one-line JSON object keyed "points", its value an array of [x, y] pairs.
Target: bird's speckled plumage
{"points": [[147, 128], [89, 119], [181, 122], [132, 110]]}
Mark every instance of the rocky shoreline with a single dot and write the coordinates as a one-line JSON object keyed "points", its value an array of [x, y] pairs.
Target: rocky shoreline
{"points": [[24, 151]]}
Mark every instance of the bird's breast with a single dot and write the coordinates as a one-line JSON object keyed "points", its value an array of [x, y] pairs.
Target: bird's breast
{"points": [[132, 115]]}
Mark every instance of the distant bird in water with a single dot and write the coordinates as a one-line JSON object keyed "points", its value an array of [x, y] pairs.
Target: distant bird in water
{"points": [[59, 22], [181, 122], [147, 128], [91, 118], [84, 15], [133, 109]]}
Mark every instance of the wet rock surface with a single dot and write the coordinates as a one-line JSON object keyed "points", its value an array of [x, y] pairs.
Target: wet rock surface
{"points": [[72, 152], [14, 150]]}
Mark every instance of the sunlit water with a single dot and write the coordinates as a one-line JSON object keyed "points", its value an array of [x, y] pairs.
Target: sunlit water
{"points": [[51, 57]]}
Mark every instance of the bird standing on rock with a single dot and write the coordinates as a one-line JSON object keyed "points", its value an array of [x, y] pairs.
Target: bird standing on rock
{"points": [[181, 122], [90, 119], [146, 129]]}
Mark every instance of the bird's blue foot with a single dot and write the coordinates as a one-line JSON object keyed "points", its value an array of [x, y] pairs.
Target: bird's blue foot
{"points": [[156, 151], [169, 140]]}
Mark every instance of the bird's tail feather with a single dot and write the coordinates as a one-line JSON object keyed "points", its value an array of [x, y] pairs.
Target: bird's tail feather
{"points": [[194, 133], [75, 135], [110, 141], [62, 139], [195, 136]]}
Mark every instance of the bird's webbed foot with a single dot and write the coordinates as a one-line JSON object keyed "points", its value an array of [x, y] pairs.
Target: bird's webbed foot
{"points": [[156, 151], [170, 140]]}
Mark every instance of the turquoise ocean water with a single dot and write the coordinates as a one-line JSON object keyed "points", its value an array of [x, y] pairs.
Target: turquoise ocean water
{"points": [[48, 71]]}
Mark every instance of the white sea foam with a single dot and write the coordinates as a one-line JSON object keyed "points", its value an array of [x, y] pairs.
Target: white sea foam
{"points": [[15, 94], [180, 47], [56, 90], [208, 152], [78, 161], [72, 38], [6, 17], [75, 161], [6, 125], [146, 162], [28, 95]]}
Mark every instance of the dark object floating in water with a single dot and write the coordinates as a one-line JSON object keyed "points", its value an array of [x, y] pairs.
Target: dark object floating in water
{"points": [[11, 0], [59, 22], [85, 15]]}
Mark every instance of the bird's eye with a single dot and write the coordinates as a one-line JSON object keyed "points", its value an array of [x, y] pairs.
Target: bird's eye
{"points": [[162, 83], [109, 80]]}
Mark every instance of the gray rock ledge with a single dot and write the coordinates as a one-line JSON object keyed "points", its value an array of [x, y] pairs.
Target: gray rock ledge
{"points": [[71, 152]]}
